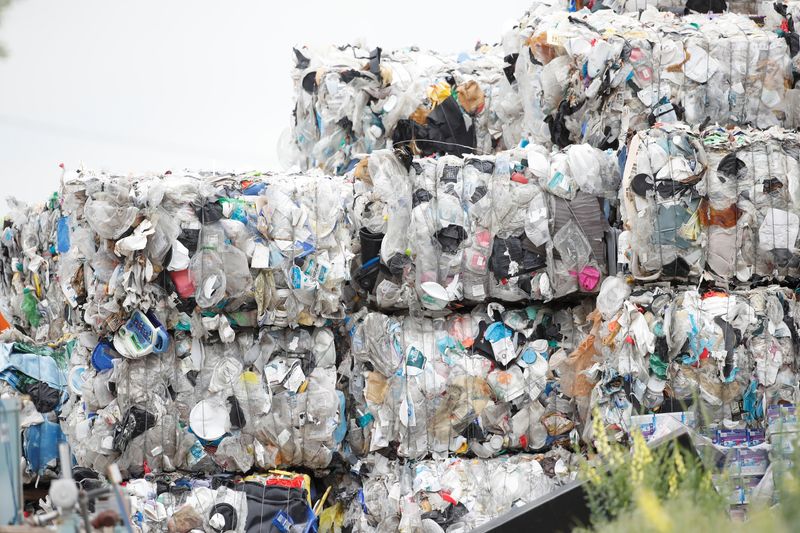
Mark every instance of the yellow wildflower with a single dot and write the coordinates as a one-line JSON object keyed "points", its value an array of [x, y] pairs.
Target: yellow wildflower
{"points": [[672, 482], [593, 476], [600, 435], [653, 512], [680, 467], [616, 457], [706, 482], [641, 458]]}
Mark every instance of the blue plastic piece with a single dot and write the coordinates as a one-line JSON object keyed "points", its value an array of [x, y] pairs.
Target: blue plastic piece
{"points": [[62, 235], [41, 445]]}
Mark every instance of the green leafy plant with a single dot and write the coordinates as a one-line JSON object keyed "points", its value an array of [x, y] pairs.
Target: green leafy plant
{"points": [[667, 489], [621, 479]]}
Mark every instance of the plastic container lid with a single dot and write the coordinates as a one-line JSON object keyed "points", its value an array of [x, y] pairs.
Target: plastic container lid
{"points": [[101, 360], [208, 419], [434, 296]]}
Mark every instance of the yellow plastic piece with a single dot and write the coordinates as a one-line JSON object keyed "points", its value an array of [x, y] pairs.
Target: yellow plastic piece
{"points": [[439, 93]]}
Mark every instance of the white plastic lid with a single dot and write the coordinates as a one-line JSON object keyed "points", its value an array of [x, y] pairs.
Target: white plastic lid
{"points": [[209, 419], [437, 295]]}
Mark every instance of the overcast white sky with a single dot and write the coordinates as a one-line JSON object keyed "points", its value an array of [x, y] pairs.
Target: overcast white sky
{"points": [[155, 84]]}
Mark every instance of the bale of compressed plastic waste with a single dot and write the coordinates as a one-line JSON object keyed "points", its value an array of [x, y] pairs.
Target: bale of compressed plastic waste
{"points": [[265, 400], [680, 7], [222, 249], [593, 76], [728, 356], [273, 501], [452, 494], [718, 203], [350, 100], [481, 383], [523, 224], [177, 293]]}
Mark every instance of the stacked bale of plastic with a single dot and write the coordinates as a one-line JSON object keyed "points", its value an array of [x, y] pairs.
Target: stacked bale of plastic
{"points": [[719, 203], [593, 76], [351, 101], [523, 224], [481, 383]]}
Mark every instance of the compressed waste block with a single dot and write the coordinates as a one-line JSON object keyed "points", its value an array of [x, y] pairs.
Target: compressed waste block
{"points": [[522, 224], [177, 293], [593, 76], [377, 494], [729, 355], [264, 400], [270, 502], [225, 250], [481, 383], [679, 7], [453, 494], [350, 100], [720, 203]]}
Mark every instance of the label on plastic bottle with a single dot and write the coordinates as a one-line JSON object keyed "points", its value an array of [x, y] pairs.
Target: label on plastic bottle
{"points": [[297, 277], [282, 521], [322, 272], [450, 174], [260, 256], [70, 294], [311, 267], [284, 437], [196, 453], [555, 181], [554, 39], [415, 361]]}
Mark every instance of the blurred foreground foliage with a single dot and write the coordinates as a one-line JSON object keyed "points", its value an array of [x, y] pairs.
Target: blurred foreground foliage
{"points": [[668, 489]]}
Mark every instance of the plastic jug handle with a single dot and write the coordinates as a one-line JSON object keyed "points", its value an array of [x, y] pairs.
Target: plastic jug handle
{"points": [[161, 341]]}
